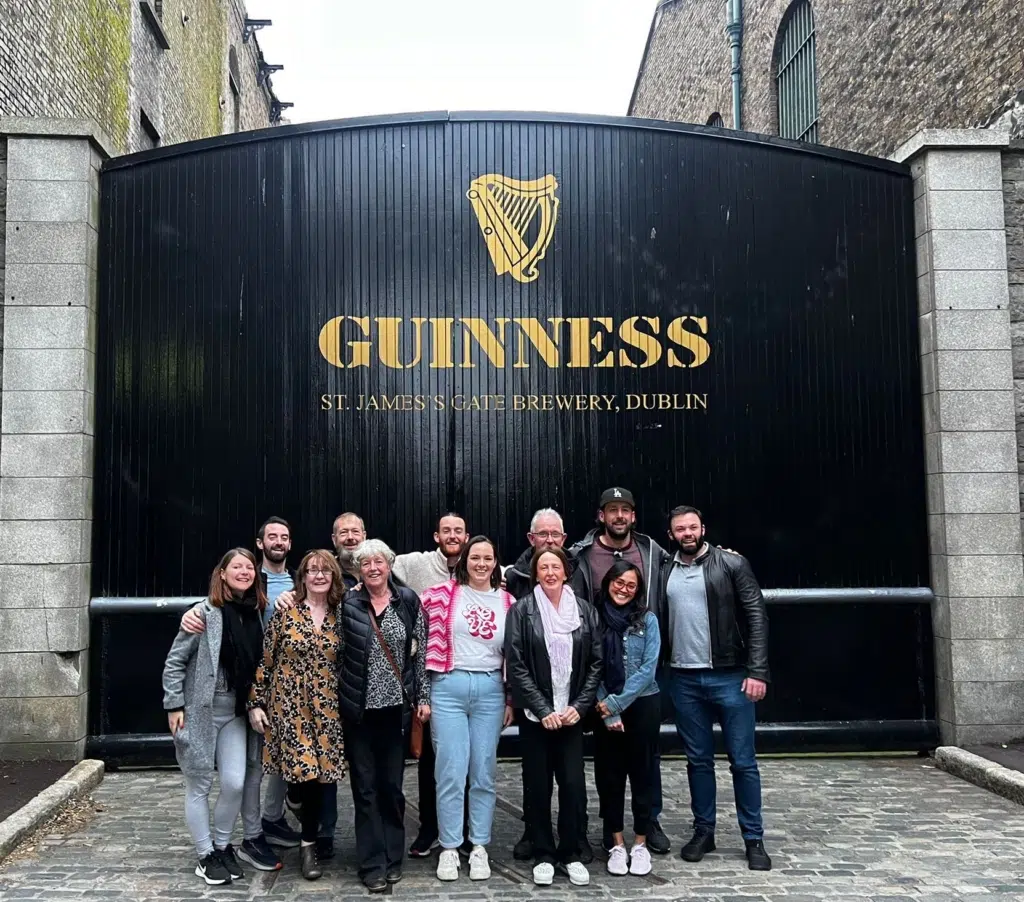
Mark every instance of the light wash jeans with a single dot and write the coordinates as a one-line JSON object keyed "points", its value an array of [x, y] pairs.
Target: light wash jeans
{"points": [[467, 711]]}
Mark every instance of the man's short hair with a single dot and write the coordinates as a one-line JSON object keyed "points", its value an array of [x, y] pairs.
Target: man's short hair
{"points": [[270, 522], [684, 509], [437, 528], [547, 512], [347, 515]]}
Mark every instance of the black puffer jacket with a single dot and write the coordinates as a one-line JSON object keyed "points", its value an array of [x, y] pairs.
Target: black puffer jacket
{"points": [[357, 636], [528, 667], [737, 614]]}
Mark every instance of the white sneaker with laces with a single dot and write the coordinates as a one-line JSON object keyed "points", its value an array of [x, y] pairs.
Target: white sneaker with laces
{"points": [[479, 865], [448, 865], [543, 874], [578, 874], [639, 860], [618, 861]]}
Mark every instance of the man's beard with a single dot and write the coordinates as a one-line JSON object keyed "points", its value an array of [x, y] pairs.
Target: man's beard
{"points": [[692, 549], [275, 555], [618, 530], [345, 558]]}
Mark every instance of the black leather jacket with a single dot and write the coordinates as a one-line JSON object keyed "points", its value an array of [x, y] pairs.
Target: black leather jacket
{"points": [[517, 577], [528, 668], [737, 614]]}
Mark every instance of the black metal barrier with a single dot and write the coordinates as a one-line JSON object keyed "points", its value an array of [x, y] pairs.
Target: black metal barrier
{"points": [[852, 671]]}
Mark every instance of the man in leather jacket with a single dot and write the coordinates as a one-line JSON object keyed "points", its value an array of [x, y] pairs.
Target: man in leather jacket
{"points": [[715, 642]]}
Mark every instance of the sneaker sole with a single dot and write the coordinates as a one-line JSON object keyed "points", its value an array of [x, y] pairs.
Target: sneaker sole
{"points": [[485, 875], [639, 873], [542, 881], [281, 843], [256, 863], [209, 880]]}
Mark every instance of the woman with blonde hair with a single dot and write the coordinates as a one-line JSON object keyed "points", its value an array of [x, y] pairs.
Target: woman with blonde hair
{"points": [[294, 697], [207, 679]]}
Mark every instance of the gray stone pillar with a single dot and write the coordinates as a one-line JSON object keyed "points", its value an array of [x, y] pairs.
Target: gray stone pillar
{"points": [[46, 434], [970, 438]]}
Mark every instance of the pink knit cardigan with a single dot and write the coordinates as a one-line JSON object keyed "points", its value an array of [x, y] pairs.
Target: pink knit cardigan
{"points": [[439, 605]]}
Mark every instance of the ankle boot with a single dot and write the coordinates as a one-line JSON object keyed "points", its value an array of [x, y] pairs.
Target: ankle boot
{"points": [[310, 866]]}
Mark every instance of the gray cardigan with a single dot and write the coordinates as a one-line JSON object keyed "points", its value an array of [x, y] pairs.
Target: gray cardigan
{"points": [[190, 678]]}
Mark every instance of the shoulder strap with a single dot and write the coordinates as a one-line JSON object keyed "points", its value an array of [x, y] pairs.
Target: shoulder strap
{"points": [[387, 653]]}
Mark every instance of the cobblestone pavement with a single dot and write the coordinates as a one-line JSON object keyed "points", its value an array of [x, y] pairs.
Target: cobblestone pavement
{"points": [[840, 830]]}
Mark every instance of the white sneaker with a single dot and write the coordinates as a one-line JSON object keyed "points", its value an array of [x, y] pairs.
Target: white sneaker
{"points": [[543, 874], [618, 863], [448, 865], [639, 860], [578, 874], [479, 865]]}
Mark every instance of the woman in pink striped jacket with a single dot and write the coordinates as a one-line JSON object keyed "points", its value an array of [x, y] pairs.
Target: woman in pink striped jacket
{"points": [[465, 620]]}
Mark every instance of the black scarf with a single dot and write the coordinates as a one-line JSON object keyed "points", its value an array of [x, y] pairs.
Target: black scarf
{"points": [[241, 646], [616, 622]]}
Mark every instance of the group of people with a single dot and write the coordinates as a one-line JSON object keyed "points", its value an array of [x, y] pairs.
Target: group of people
{"points": [[310, 676]]}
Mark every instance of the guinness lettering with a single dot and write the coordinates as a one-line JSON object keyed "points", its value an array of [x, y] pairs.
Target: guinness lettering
{"points": [[442, 343]]}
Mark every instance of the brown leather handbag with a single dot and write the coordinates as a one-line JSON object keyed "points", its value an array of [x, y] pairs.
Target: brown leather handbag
{"points": [[416, 733]]}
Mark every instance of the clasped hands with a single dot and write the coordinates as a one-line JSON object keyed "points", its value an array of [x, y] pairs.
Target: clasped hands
{"points": [[566, 718]]}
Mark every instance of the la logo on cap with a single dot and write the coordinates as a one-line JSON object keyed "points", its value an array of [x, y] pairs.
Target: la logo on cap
{"points": [[617, 493]]}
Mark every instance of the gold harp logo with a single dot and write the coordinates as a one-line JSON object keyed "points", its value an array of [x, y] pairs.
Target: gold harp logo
{"points": [[510, 210]]}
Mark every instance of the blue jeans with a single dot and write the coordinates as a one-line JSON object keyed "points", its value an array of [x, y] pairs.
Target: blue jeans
{"points": [[467, 711], [700, 697]]}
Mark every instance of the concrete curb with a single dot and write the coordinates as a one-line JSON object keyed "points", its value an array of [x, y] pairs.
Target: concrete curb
{"points": [[83, 777], [982, 772]]}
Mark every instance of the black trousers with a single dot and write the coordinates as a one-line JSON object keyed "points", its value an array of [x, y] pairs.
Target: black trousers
{"points": [[557, 754], [310, 795], [628, 754], [375, 751]]}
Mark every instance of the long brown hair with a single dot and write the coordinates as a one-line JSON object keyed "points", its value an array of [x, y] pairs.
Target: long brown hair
{"points": [[219, 592], [337, 589]]}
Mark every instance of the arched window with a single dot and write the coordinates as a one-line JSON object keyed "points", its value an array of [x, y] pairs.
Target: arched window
{"points": [[715, 119], [796, 77]]}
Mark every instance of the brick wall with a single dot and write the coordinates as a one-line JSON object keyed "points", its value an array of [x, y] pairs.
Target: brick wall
{"points": [[99, 59], [886, 68]]}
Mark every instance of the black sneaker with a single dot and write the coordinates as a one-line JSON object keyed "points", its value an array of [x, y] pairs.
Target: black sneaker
{"points": [[585, 850], [657, 841], [757, 857], [259, 854], [702, 842], [228, 859], [325, 848], [422, 847], [278, 833], [212, 870], [523, 850]]}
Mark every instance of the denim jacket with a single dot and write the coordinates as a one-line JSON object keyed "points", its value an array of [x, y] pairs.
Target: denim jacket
{"points": [[643, 646]]}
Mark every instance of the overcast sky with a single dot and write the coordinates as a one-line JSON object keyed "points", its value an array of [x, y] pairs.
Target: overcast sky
{"points": [[364, 57]]}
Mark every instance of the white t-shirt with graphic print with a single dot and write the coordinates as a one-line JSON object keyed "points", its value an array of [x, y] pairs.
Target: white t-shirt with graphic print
{"points": [[479, 630]]}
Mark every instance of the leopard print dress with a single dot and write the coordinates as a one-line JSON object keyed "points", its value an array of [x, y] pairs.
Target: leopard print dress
{"points": [[297, 686]]}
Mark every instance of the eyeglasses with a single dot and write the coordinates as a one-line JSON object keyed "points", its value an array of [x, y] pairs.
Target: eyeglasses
{"points": [[548, 535], [318, 572]]}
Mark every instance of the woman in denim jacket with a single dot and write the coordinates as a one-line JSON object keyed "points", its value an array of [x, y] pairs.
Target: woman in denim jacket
{"points": [[630, 706]]}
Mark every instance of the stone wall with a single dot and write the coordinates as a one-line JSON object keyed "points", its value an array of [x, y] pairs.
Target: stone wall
{"points": [[886, 68], [102, 60], [1013, 212]]}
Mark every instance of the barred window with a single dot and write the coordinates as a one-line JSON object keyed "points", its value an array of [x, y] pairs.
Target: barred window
{"points": [[796, 78], [715, 119]]}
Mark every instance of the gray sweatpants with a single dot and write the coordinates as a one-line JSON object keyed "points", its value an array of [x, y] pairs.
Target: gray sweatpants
{"points": [[239, 785]]}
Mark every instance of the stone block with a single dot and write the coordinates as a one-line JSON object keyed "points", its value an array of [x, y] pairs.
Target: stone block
{"points": [[923, 253], [51, 369], [988, 702], [960, 250], [44, 674], [39, 720], [926, 333], [1017, 343], [928, 379], [976, 411], [934, 486], [44, 585], [944, 699], [49, 242], [964, 170], [938, 575], [930, 413], [43, 751], [23, 629], [921, 215], [972, 330], [94, 205], [46, 455], [59, 542], [988, 660], [925, 294], [932, 458], [48, 201], [985, 734], [67, 629], [965, 534], [977, 452], [47, 285], [940, 617], [47, 411], [986, 618], [53, 498], [985, 370], [943, 659], [984, 576], [965, 210], [49, 159], [1016, 292], [970, 290], [46, 327]]}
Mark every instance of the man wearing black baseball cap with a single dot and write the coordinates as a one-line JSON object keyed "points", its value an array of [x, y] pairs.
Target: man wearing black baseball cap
{"points": [[615, 539]]}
